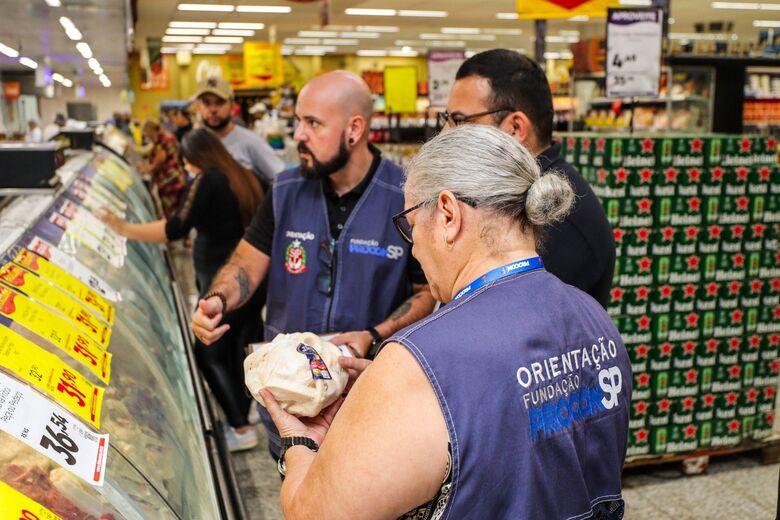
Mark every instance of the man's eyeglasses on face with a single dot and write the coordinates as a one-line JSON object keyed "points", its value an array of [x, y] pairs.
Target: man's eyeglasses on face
{"points": [[402, 224], [459, 119]]}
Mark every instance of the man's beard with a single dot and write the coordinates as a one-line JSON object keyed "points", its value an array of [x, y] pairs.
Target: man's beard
{"points": [[219, 126], [323, 170]]}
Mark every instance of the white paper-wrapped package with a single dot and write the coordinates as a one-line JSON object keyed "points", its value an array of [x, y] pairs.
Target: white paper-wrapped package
{"points": [[301, 370]]}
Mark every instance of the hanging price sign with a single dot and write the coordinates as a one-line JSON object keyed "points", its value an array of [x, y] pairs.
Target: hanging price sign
{"points": [[51, 431], [634, 52]]}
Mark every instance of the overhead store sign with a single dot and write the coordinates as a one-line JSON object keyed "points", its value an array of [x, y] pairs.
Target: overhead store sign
{"points": [[547, 9], [12, 90], [634, 52], [401, 90], [442, 68], [263, 64]]}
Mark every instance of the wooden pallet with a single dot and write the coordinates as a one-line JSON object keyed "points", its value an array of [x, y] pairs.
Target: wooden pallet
{"points": [[769, 450]]}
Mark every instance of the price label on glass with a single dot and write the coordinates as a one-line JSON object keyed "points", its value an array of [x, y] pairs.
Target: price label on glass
{"points": [[51, 431], [634, 52], [14, 504]]}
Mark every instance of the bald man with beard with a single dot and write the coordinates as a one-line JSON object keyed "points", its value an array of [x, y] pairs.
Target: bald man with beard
{"points": [[324, 239]]}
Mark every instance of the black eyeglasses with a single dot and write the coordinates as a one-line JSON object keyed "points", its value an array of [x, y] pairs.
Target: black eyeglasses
{"points": [[402, 224], [459, 119], [325, 256]]}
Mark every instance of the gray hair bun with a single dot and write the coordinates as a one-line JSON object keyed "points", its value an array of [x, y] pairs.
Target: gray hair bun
{"points": [[550, 198]]}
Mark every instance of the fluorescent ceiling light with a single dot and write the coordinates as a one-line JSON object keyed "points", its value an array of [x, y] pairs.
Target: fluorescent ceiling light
{"points": [[272, 9], [438, 36], [370, 12], [460, 30], [84, 50], [340, 41], [93, 63], [561, 39], [223, 39], [308, 52], [302, 41], [241, 25], [27, 62], [746, 5], [766, 23], [187, 32], [698, 36], [67, 83], [194, 25], [570, 33], [323, 48], [507, 32], [105, 81], [233, 32], [222, 8], [286, 51], [371, 53], [173, 49], [214, 46], [53, 3], [354, 34], [378, 28], [8, 51], [70, 29], [424, 14], [182, 39], [98, 71], [410, 43], [198, 50], [507, 16], [644, 3], [566, 55], [481, 37], [318, 34], [331, 27], [447, 44], [579, 18], [408, 54], [57, 77]]}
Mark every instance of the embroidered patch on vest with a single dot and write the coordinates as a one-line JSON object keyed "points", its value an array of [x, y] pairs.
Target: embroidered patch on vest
{"points": [[295, 258]]}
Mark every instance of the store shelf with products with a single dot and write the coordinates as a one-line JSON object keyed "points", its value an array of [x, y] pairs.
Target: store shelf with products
{"points": [[696, 287], [58, 258]]}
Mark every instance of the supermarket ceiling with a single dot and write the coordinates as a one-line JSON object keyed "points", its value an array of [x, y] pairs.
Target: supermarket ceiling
{"points": [[414, 32], [33, 28]]}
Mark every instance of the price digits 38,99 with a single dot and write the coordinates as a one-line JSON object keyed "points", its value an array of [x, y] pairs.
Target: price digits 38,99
{"points": [[59, 440]]}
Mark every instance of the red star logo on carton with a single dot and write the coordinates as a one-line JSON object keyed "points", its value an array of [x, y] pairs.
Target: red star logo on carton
{"points": [[642, 351], [693, 262], [712, 345], [745, 145], [715, 231], [671, 175], [736, 316], [694, 204], [692, 320], [712, 289], [758, 230], [770, 144], [689, 402], [665, 291], [643, 322], [694, 175], [776, 312], [667, 233], [689, 348], [696, 145], [756, 286], [769, 393], [642, 234], [734, 371], [742, 174], [585, 140], [733, 426], [644, 264], [641, 293], [691, 232], [602, 175], [774, 366], [641, 435], [754, 341], [570, 142], [708, 400], [742, 203], [689, 291], [642, 379], [774, 339], [621, 175], [664, 405], [666, 349], [734, 287], [738, 259], [690, 432], [763, 173], [644, 205], [717, 174], [737, 231], [647, 146], [770, 418], [618, 234], [617, 294], [645, 175], [640, 408], [734, 344], [731, 398], [691, 377], [751, 395], [601, 143]]}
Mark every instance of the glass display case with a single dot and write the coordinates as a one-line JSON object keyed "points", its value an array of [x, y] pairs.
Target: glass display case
{"points": [[161, 460]]}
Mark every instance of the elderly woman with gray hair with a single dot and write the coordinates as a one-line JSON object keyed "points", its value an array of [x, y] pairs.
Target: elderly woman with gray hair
{"points": [[511, 401]]}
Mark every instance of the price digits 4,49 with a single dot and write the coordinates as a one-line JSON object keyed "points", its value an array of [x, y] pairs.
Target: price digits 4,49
{"points": [[59, 440]]}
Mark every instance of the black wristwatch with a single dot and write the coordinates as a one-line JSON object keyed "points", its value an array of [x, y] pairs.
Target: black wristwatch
{"points": [[289, 442], [373, 348]]}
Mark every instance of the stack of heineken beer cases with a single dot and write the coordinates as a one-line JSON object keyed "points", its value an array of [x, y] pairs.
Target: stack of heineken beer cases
{"points": [[696, 291]]}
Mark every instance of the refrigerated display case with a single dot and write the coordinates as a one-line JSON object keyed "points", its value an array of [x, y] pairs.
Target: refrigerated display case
{"points": [[166, 458]]}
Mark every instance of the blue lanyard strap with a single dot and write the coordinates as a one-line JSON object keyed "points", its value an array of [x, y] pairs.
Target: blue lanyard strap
{"points": [[521, 266]]}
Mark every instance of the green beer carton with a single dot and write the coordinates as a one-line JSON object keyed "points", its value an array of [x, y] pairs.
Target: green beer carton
{"points": [[726, 405], [638, 242], [735, 181], [753, 264], [611, 184], [707, 353], [636, 329], [730, 266], [766, 399], [705, 408], [684, 356], [770, 346], [639, 152], [687, 240], [748, 403], [638, 442], [660, 412], [685, 269], [754, 236], [757, 208], [771, 213], [729, 323], [758, 180], [636, 271], [642, 389], [767, 373], [661, 358], [689, 184], [639, 413], [763, 426], [707, 296], [710, 267], [750, 352], [734, 210], [638, 301], [666, 183], [770, 295], [732, 238], [726, 432], [768, 320], [685, 327], [662, 269], [682, 438], [709, 239], [746, 150], [683, 151], [663, 211], [639, 355], [685, 298], [751, 293], [687, 211], [712, 181], [617, 297], [728, 298], [770, 265], [684, 383], [728, 351], [659, 439], [661, 299], [662, 241], [636, 213], [621, 240], [641, 182], [727, 378]]}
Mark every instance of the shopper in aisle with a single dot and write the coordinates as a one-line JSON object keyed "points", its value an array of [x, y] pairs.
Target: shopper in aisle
{"points": [[163, 166], [474, 413], [51, 131], [505, 89], [219, 204], [324, 239], [181, 121], [34, 133], [215, 104]]}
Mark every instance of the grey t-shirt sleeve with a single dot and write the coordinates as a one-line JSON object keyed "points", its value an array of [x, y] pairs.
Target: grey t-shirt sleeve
{"points": [[265, 162]]}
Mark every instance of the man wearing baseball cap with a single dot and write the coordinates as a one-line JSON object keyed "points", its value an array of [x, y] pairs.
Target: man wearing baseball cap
{"points": [[214, 100]]}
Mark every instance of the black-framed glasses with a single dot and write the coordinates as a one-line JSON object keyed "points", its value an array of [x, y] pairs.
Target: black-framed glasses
{"points": [[459, 119], [325, 255], [402, 224]]}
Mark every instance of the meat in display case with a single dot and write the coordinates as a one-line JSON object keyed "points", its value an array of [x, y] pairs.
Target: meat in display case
{"points": [[79, 300]]}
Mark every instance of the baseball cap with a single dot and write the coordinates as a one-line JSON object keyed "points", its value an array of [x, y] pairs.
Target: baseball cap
{"points": [[215, 85]]}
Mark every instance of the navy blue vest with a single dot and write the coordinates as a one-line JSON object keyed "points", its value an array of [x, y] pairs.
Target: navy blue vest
{"points": [[534, 384], [369, 277]]}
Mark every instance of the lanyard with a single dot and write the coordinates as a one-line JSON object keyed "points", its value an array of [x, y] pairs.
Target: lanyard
{"points": [[520, 266]]}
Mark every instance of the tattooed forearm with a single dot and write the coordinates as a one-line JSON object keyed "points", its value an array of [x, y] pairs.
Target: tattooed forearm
{"points": [[404, 308], [418, 306], [242, 279]]}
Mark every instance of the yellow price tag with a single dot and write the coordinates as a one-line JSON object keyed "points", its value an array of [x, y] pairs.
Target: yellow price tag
{"points": [[48, 295], [47, 372], [67, 282], [14, 504], [115, 174], [56, 330]]}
